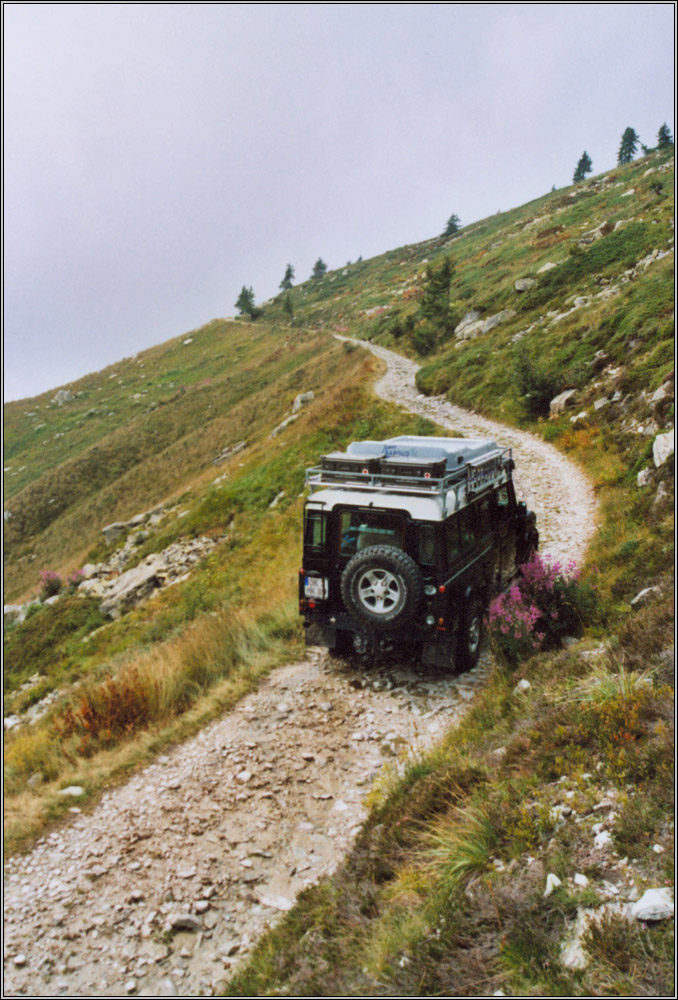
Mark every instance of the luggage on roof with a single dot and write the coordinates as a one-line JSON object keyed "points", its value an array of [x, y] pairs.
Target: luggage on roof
{"points": [[408, 464]]}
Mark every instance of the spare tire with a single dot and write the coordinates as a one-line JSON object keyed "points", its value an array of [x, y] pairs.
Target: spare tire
{"points": [[382, 586]]}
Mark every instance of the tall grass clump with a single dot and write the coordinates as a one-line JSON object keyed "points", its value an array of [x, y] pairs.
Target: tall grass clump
{"points": [[150, 691], [460, 845], [163, 683]]}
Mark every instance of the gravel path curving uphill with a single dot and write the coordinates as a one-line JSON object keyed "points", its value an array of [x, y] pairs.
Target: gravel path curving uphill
{"points": [[550, 483], [170, 880]]}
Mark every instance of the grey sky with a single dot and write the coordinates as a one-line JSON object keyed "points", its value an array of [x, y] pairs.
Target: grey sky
{"points": [[160, 156]]}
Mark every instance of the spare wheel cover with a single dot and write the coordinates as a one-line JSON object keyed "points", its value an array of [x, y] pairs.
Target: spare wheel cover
{"points": [[382, 586]]}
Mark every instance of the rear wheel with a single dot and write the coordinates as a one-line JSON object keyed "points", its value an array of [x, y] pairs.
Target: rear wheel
{"points": [[471, 635]]}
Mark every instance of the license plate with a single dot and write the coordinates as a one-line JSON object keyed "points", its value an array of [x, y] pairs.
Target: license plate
{"points": [[315, 586]]}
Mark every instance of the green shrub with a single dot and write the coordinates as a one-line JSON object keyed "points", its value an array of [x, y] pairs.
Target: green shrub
{"points": [[423, 339], [536, 384], [40, 643]]}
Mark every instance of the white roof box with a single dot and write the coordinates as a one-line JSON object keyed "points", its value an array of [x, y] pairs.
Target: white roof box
{"points": [[456, 451]]}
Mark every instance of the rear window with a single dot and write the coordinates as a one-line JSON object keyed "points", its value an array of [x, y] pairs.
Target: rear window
{"points": [[359, 530]]}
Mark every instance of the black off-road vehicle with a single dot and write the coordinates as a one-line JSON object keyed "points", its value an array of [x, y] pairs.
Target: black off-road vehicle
{"points": [[405, 543]]}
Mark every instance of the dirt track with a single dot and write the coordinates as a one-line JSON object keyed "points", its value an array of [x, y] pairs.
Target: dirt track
{"points": [[221, 834], [553, 486]]}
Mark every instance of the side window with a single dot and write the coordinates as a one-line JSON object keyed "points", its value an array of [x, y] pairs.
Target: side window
{"points": [[467, 528], [452, 539], [314, 534], [503, 502], [427, 544], [484, 515]]}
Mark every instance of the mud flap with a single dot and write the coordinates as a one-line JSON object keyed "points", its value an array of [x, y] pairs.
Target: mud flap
{"points": [[438, 654], [320, 635]]}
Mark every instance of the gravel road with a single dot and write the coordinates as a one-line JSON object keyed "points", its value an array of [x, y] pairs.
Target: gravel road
{"points": [[550, 483], [170, 880]]}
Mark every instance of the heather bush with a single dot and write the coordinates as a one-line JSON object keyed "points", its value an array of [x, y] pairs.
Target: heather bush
{"points": [[512, 632], [74, 580], [547, 603], [50, 583]]}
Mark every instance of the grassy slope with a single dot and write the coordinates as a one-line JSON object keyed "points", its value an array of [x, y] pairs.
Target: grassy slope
{"points": [[439, 896], [147, 677], [419, 907]]}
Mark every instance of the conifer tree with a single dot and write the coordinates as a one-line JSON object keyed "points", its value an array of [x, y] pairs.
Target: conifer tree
{"points": [[319, 268], [245, 302], [628, 147], [288, 307], [435, 303], [452, 226], [664, 137], [286, 283], [584, 167]]}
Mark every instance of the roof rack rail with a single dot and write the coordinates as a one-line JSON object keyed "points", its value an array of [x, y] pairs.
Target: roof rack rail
{"points": [[419, 477]]}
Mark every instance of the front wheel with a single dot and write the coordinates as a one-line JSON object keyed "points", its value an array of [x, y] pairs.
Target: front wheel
{"points": [[471, 635]]}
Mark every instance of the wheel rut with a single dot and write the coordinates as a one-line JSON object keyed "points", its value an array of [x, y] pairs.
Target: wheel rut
{"points": [[171, 879]]}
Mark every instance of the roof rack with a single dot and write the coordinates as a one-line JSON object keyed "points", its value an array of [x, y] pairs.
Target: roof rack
{"points": [[416, 476]]}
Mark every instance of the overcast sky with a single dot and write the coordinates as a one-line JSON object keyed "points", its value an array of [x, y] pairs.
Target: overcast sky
{"points": [[160, 156]]}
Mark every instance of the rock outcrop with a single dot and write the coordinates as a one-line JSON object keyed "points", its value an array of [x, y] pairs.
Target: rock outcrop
{"points": [[561, 402], [133, 586], [663, 447], [118, 529], [229, 452], [470, 330]]}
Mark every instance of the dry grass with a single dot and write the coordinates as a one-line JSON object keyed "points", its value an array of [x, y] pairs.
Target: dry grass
{"points": [[168, 694]]}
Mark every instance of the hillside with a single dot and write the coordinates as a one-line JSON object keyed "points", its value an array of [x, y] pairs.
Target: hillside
{"points": [[443, 891]]}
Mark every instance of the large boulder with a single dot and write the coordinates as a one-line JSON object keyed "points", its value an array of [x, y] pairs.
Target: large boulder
{"points": [[663, 447], [483, 326], [501, 317], [158, 570], [471, 317], [113, 532], [302, 399], [524, 284], [654, 904], [17, 613], [281, 427], [645, 597], [63, 396], [132, 586], [561, 402], [229, 452], [595, 234]]}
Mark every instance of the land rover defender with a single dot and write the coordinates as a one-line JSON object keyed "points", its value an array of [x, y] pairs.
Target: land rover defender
{"points": [[405, 543]]}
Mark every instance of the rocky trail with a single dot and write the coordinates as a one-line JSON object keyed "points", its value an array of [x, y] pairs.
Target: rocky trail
{"points": [[170, 880], [551, 485]]}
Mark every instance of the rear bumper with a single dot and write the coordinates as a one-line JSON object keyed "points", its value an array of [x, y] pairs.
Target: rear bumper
{"points": [[435, 646]]}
